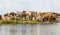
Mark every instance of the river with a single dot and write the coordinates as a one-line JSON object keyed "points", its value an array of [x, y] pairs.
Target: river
{"points": [[36, 29]]}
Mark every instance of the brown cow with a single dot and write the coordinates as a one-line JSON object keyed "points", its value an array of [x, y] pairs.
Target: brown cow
{"points": [[25, 15], [13, 15], [52, 17], [33, 15], [6, 17], [30, 15], [49, 16]]}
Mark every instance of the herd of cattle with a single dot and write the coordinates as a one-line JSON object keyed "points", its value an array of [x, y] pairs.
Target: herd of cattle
{"points": [[31, 15]]}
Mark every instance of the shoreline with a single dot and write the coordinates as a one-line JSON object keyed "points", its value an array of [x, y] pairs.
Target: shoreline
{"points": [[14, 22]]}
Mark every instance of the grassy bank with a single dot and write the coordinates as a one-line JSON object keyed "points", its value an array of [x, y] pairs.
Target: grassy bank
{"points": [[23, 22]]}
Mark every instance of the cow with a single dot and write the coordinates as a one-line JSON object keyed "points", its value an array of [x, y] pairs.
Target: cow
{"points": [[49, 16], [26, 15], [9, 16], [13, 15], [53, 17], [33, 15], [39, 16], [5, 17], [30, 15]]}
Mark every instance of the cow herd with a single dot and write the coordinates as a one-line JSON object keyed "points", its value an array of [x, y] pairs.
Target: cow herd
{"points": [[31, 15]]}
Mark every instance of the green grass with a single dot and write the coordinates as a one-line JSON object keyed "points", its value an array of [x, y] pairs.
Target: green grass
{"points": [[24, 22]]}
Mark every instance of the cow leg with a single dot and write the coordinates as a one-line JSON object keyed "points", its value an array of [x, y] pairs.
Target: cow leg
{"points": [[33, 18], [27, 17], [23, 18], [45, 19], [53, 20]]}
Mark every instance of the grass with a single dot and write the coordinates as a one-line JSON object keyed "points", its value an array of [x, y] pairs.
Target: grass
{"points": [[24, 22]]}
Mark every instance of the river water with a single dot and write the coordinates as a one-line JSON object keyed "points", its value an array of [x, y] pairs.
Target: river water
{"points": [[37, 29]]}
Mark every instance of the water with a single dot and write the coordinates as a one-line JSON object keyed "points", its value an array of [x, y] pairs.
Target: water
{"points": [[28, 29]]}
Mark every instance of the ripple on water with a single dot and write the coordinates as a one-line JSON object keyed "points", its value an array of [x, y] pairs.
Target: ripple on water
{"points": [[36, 29]]}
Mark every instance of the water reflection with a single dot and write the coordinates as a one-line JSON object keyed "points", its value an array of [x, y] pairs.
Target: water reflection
{"points": [[30, 29]]}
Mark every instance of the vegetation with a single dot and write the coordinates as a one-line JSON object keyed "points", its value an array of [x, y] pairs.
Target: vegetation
{"points": [[24, 22]]}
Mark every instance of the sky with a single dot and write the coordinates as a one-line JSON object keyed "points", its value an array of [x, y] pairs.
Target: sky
{"points": [[36, 5]]}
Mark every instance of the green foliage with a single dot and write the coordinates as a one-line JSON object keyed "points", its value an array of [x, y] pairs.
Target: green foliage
{"points": [[24, 22]]}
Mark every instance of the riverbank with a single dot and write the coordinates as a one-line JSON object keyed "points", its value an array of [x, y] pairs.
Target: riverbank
{"points": [[24, 22]]}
